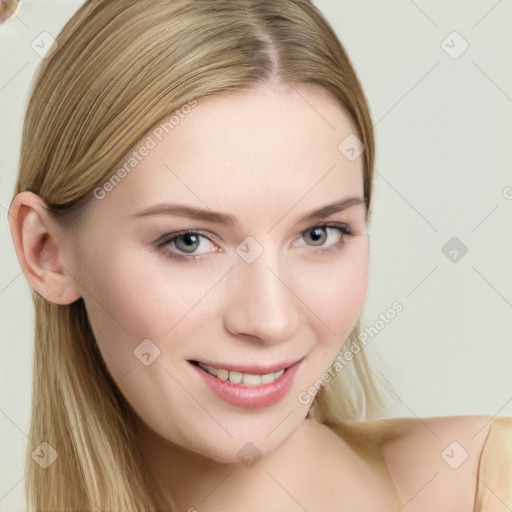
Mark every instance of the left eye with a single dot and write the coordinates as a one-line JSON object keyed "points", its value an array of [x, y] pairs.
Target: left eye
{"points": [[318, 235]]}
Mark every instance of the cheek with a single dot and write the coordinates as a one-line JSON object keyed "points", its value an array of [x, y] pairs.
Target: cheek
{"points": [[120, 306], [128, 303], [130, 299], [347, 296], [335, 295], [335, 292]]}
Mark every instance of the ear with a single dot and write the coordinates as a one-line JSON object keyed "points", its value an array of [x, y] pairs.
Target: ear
{"points": [[38, 241]]}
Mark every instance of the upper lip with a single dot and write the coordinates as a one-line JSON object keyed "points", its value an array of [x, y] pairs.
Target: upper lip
{"points": [[252, 369]]}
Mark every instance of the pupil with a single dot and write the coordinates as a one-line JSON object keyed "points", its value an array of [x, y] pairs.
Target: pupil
{"points": [[191, 242], [318, 233]]}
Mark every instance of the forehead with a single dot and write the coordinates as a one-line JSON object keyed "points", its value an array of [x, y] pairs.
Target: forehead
{"points": [[240, 151]]}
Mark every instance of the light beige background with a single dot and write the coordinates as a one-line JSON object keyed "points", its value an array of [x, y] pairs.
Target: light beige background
{"points": [[443, 128]]}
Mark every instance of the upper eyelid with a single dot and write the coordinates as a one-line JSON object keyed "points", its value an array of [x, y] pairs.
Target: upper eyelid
{"points": [[208, 234]]}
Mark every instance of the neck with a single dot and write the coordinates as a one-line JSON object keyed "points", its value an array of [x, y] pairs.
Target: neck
{"points": [[197, 482]]}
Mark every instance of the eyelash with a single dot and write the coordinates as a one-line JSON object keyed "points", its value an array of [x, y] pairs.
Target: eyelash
{"points": [[163, 241]]}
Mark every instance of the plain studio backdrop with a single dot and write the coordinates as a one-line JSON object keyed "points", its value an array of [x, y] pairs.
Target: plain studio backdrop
{"points": [[438, 79]]}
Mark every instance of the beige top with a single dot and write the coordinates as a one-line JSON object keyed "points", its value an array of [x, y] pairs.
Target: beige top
{"points": [[436, 464], [494, 482]]}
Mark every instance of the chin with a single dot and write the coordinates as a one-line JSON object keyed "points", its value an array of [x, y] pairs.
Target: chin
{"points": [[245, 451], [245, 439]]}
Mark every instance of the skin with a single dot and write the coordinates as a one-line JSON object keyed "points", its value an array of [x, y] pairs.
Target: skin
{"points": [[291, 303]]}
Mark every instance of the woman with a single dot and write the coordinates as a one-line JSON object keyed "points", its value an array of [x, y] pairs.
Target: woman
{"points": [[191, 209]]}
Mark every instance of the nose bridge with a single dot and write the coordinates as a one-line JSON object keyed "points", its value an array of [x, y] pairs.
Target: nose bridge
{"points": [[262, 304]]}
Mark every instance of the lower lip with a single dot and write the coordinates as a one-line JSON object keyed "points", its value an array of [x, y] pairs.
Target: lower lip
{"points": [[250, 397]]}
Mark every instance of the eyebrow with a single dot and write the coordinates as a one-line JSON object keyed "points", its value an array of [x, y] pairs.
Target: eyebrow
{"points": [[229, 220]]}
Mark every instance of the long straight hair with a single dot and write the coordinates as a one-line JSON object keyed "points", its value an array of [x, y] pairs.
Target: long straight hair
{"points": [[118, 68]]}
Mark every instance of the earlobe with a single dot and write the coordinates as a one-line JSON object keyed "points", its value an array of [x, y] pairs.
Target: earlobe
{"points": [[39, 247]]}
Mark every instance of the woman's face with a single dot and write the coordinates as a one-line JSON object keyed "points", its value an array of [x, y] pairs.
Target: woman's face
{"points": [[259, 286]]}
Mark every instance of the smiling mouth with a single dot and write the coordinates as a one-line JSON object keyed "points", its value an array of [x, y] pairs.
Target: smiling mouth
{"points": [[236, 377]]}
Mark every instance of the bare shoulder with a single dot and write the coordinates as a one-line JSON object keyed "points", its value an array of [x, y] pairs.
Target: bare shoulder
{"points": [[444, 463], [435, 462]]}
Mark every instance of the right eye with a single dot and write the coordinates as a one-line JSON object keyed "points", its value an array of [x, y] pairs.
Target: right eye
{"points": [[182, 245]]}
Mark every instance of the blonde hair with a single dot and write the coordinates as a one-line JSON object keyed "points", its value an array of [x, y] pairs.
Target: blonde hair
{"points": [[119, 67]]}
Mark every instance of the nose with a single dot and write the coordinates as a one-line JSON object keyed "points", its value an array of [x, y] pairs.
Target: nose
{"points": [[262, 305]]}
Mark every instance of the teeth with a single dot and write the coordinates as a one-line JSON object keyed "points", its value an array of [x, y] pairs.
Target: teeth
{"points": [[221, 374], [241, 378], [236, 377], [251, 380], [268, 378]]}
